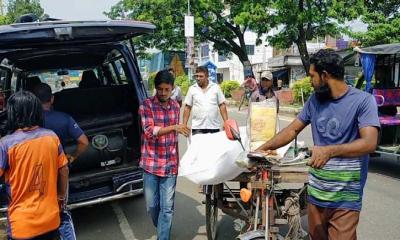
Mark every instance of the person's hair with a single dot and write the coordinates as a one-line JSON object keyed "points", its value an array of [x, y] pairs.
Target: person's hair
{"points": [[43, 92], [24, 110], [329, 61], [202, 69], [164, 76]]}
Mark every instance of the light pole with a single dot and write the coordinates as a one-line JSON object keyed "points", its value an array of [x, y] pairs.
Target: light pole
{"points": [[189, 34]]}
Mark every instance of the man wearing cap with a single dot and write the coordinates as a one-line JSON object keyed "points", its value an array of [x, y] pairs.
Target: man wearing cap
{"points": [[264, 89]]}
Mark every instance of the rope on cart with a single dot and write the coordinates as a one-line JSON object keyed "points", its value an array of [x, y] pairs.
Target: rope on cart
{"points": [[292, 210]]}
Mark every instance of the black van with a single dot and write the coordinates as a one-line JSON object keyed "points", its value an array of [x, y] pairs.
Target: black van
{"points": [[93, 71]]}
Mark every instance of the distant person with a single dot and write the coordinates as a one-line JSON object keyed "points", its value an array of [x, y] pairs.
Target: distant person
{"points": [[176, 91], [264, 90], [160, 156], [66, 129], [279, 83], [35, 170]]}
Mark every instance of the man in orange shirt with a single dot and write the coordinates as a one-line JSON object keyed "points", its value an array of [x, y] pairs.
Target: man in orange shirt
{"points": [[35, 171]]}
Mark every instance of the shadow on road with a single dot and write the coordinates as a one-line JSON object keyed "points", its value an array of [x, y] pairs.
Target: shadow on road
{"points": [[388, 166]]}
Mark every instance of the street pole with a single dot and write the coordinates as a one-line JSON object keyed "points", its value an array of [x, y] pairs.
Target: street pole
{"points": [[189, 34]]}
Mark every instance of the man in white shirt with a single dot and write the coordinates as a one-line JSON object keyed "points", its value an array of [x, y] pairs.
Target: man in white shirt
{"points": [[205, 99]]}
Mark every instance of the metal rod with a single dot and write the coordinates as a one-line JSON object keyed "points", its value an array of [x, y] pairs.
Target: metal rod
{"points": [[257, 209], [233, 195], [267, 216]]}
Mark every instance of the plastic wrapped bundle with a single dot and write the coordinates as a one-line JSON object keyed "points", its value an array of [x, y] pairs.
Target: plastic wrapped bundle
{"points": [[262, 122]]}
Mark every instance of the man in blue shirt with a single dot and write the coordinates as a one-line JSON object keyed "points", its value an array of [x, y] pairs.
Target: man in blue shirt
{"points": [[345, 124], [66, 129]]}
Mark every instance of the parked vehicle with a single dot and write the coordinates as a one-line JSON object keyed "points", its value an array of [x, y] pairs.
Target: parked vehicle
{"points": [[92, 69], [382, 62]]}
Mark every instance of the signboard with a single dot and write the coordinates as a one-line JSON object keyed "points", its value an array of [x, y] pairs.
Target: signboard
{"points": [[189, 26]]}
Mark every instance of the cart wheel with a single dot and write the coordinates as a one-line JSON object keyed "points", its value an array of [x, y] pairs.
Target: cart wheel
{"points": [[211, 213]]}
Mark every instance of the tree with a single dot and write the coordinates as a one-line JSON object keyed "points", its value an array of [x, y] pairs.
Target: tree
{"points": [[383, 20], [299, 21], [17, 8], [221, 22]]}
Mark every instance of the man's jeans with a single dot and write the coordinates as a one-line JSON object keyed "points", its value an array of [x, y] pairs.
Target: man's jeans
{"points": [[160, 193], [67, 231]]}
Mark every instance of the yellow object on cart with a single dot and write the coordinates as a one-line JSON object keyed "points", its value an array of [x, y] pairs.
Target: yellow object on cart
{"points": [[263, 120]]}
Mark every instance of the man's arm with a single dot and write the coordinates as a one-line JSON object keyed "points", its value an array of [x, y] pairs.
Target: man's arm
{"points": [[223, 111], [82, 145], [186, 114], [283, 137], [362, 146], [179, 128], [62, 181]]}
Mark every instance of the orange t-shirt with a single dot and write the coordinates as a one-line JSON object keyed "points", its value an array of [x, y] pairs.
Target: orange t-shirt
{"points": [[30, 161]]}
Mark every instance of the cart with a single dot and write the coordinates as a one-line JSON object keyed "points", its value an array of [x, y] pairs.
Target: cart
{"points": [[276, 196]]}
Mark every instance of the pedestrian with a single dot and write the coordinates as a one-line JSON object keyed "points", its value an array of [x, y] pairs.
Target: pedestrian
{"points": [[205, 99], [264, 90], [35, 170], [279, 83], [159, 152], [250, 84], [345, 125], [176, 91], [66, 128]]}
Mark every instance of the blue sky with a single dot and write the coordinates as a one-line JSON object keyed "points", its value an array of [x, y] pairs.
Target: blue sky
{"points": [[77, 9]]}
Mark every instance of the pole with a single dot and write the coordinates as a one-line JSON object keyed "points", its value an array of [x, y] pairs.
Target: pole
{"points": [[191, 51]]}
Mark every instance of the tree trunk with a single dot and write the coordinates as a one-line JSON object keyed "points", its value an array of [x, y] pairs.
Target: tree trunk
{"points": [[305, 58], [241, 52], [302, 43]]}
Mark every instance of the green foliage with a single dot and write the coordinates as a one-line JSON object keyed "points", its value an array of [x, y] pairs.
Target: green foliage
{"points": [[16, 8], [301, 21], [183, 82], [302, 85], [383, 19], [217, 21], [152, 76], [228, 86]]}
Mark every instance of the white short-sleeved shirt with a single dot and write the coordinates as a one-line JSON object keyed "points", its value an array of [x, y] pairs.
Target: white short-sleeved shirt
{"points": [[205, 106], [176, 93]]}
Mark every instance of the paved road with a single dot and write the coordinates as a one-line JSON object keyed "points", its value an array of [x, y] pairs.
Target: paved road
{"points": [[127, 219]]}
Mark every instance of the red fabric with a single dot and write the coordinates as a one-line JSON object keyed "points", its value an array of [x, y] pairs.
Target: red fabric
{"points": [[159, 154]]}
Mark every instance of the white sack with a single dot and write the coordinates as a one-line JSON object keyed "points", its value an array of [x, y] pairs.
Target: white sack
{"points": [[210, 158]]}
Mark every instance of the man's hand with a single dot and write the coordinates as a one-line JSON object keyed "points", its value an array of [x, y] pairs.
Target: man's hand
{"points": [[70, 158], [182, 129], [320, 155]]}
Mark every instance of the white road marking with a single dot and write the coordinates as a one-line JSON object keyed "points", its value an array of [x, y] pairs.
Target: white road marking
{"points": [[123, 222]]}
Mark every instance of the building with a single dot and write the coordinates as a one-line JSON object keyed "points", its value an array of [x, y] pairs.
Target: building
{"points": [[230, 67]]}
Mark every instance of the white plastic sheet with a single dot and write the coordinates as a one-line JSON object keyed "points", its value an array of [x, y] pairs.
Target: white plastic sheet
{"points": [[210, 158]]}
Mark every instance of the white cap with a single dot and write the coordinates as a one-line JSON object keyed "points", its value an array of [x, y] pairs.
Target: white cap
{"points": [[267, 74]]}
